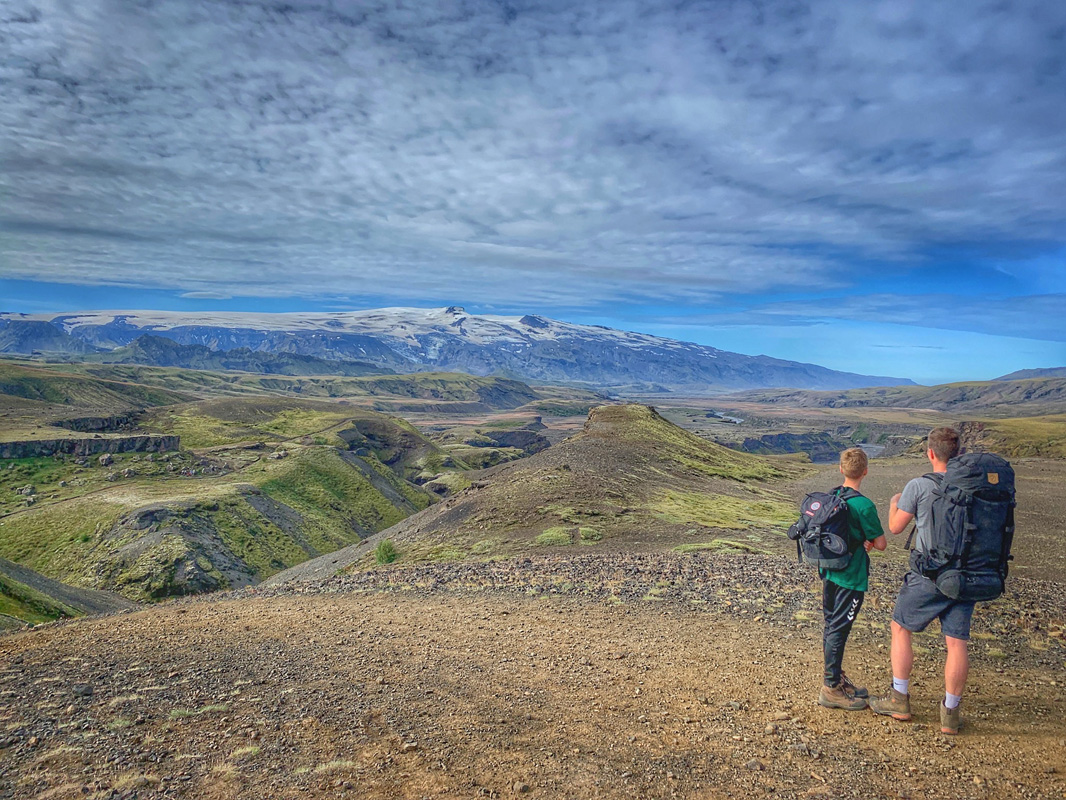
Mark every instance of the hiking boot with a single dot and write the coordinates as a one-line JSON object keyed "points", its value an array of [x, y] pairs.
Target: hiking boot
{"points": [[839, 697], [895, 704], [949, 719], [858, 691]]}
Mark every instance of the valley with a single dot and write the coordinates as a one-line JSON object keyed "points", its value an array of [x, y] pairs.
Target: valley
{"points": [[398, 585]]}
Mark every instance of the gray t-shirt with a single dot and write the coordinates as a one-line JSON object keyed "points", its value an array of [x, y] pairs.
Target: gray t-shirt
{"points": [[917, 499]]}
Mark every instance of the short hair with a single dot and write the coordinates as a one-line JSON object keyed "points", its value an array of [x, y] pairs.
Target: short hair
{"points": [[853, 462], [944, 442]]}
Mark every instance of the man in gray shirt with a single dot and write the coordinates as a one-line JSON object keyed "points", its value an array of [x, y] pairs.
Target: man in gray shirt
{"points": [[920, 602]]}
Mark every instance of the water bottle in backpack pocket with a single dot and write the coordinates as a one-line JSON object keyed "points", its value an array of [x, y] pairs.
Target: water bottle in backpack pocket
{"points": [[822, 533], [972, 528]]}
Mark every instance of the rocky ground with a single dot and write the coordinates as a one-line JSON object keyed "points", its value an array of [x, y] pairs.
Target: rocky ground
{"points": [[600, 675]]}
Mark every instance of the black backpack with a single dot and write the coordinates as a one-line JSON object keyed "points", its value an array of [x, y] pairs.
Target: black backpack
{"points": [[972, 528], [822, 534]]}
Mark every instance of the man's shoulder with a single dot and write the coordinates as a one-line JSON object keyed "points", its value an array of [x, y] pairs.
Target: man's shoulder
{"points": [[860, 502], [920, 485]]}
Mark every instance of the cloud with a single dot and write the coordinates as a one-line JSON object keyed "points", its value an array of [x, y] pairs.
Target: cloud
{"points": [[1029, 317], [550, 154], [206, 295]]}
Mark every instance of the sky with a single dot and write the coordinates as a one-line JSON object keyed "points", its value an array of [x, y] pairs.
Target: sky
{"points": [[876, 187]]}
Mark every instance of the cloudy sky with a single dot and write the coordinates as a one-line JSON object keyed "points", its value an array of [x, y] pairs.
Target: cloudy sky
{"points": [[873, 186]]}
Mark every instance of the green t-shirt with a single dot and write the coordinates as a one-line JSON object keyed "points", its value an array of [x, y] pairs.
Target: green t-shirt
{"points": [[864, 526]]}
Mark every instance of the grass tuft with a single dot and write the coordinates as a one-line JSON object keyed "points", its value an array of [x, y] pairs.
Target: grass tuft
{"points": [[554, 537], [385, 552]]}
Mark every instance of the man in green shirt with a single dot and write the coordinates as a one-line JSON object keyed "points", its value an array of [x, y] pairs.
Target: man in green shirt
{"points": [[843, 590]]}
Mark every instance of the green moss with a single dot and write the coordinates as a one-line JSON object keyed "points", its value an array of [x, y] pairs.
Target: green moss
{"points": [[555, 537], [641, 424], [24, 603], [485, 547], [455, 481], [722, 511], [58, 541], [255, 540], [331, 495], [589, 535], [441, 552], [726, 545]]}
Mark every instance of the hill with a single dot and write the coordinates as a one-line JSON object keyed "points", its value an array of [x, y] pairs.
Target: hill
{"points": [[530, 347], [1022, 437], [273, 483], [29, 597], [157, 351], [998, 398], [629, 480], [1022, 374], [33, 396]]}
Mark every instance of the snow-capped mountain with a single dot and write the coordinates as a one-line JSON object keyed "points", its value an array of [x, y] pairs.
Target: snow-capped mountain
{"points": [[408, 339]]}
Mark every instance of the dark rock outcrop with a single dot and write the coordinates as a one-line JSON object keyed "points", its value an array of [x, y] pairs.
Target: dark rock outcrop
{"points": [[35, 448], [117, 422]]}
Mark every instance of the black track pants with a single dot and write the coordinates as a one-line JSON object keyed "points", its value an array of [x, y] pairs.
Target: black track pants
{"points": [[840, 606]]}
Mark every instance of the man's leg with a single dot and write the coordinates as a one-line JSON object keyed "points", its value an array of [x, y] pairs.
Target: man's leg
{"points": [[957, 667], [839, 607], [897, 703], [902, 652], [955, 623]]}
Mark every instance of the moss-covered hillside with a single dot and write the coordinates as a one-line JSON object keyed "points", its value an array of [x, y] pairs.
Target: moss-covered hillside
{"points": [[630, 480], [272, 483]]}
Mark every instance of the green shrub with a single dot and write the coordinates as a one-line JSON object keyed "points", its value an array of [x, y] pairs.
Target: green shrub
{"points": [[386, 552], [590, 535], [554, 537]]}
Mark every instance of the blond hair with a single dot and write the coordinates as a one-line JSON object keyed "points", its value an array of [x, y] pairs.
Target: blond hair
{"points": [[853, 462]]}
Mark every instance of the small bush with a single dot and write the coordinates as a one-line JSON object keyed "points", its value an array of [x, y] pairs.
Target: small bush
{"points": [[386, 552], [590, 535], [554, 537]]}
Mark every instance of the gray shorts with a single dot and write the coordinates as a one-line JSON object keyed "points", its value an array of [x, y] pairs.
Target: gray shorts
{"points": [[919, 603]]}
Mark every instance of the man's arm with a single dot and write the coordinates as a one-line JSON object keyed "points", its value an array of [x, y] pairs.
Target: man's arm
{"points": [[898, 519], [872, 531], [880, 543]]}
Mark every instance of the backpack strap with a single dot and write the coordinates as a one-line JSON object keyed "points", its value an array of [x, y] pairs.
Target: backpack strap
{"points": [[938, 479], [847, 493]]}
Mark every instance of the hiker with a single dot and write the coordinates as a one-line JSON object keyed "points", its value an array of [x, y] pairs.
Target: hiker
{"points": [[964, 524], [836, 536]]}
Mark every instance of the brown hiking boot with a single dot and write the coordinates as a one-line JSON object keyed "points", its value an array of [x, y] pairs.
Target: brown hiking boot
{"points": [[858, 691], [839, 697], [895, 704], [949, 719]]}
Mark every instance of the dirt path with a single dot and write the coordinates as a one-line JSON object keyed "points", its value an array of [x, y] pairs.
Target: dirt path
{"points": [[638, 677]]}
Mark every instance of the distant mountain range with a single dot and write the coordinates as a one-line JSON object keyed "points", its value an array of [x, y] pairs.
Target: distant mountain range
{"points": [[1025, 374], [1003, 398], [158, 351], [531, 348]]}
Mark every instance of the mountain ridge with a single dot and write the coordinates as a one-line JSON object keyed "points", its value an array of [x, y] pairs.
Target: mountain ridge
{"points": [[533, 347], [1024, 374], [159, 351]]}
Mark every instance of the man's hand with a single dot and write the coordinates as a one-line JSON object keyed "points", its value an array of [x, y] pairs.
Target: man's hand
{"points": [[868, 545]]}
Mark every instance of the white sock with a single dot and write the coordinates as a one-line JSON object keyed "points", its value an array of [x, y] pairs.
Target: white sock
{"points": [[952, 700], [900, 685]]}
